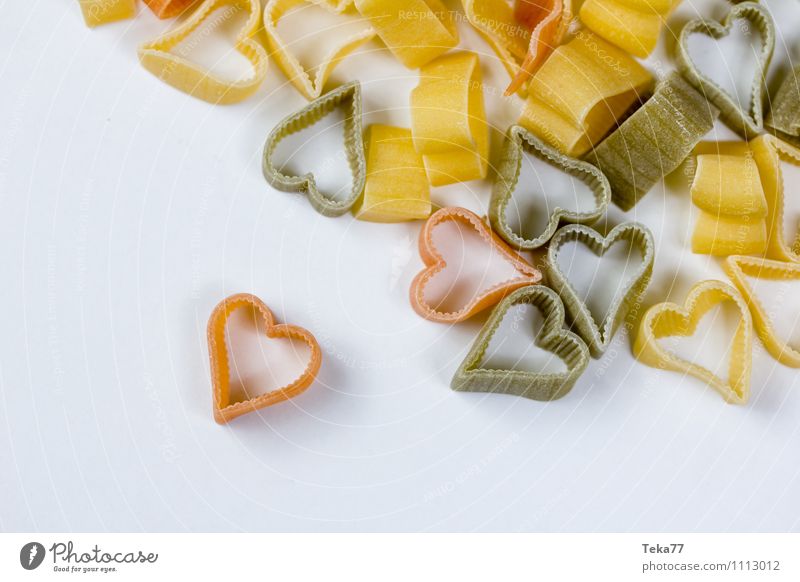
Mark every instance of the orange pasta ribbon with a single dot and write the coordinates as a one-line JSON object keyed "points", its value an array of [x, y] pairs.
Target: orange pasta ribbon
{"points": [[169, 8], [548, 20], [522, 35]]}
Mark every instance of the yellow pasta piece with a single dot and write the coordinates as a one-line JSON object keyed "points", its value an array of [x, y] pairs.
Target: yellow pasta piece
{"points": [[727, 189], [337, 6], [672, 320], [660, 6], [725, 184], [579, 94], [183, 74], [723, 235], [631, 30], [742, 270], [632, 25], [97, 12], [396, 187], [416, 31], [311, 88], [522, 36], [169, 8], [769, 153], [722, 148], [448, 120], [495, 21]]}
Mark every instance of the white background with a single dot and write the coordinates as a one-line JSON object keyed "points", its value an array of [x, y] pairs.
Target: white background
{"points": [[130, 209]]}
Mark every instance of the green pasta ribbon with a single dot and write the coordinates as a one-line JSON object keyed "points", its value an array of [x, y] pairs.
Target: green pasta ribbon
{"points": [[471, 377], [347, 97], [784, 117], [598, 337], [748, 123], [519, 141], [653, 141]]}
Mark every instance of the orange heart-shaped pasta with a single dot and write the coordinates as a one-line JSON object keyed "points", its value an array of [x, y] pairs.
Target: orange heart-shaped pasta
{"points": [[435, 263], [224, 409]]}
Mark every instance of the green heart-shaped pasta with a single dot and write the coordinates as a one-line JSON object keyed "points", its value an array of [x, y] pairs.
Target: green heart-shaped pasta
{"points": [[654, 140], [598, 337], [348, 97], [518, 141], [748, 123], [471, 377], [784, 115]]}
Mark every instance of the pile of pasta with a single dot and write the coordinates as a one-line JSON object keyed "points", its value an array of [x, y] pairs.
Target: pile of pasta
{"points": [[588, 106]]}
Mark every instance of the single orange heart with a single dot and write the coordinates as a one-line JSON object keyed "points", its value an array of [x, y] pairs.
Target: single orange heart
{"points": [[224, 410], [435, 263]]}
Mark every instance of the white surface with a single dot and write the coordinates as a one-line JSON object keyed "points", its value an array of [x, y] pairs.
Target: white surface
{"points": [[129, 210]]}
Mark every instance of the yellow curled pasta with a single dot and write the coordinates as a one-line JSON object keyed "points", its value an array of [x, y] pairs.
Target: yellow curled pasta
{"points": [[166, 60], [448, 119], [673, 320], [310, 86], [396, 188], [632, 25], [727, 184], [724, 235], [97, 12], [733, 209], [495, 21], [769, 153], [744, 272], [416, 31], [580, 93]]}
